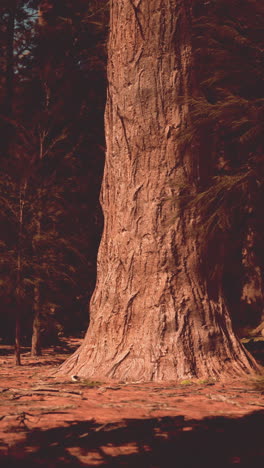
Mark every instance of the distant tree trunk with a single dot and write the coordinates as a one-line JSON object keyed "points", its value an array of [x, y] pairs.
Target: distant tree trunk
{"points": [[36, 327], [18, 336], [7, 130], [10, 57], [22, 194], [153, 316], [36, 333], [252, 292]]}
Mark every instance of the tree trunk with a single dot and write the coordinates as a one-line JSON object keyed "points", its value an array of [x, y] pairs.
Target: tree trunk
{"points": [[36, 335], [10, 58], [18, 338], [152, 314], [22, 195], [7, 130], [252, 291]]}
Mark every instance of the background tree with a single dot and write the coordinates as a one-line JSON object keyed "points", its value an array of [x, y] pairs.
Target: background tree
{"points": [[58, 159], [14, 31], [229, 114]]}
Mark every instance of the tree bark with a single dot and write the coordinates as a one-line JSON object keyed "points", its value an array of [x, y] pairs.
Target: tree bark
{"points": [[7, 130], [22, 195], [36, 327], [36, 334], [153, 316], [10, 58], [18, 338], [252, 291]]}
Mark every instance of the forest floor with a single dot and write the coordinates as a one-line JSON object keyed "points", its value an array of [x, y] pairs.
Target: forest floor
{"points": [[50, 421]]}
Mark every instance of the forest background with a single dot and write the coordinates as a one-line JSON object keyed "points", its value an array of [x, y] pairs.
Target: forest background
{"points": [[52, 96]]}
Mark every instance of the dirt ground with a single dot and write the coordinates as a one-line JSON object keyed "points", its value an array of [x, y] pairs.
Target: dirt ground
{"points": [[51, 421]]}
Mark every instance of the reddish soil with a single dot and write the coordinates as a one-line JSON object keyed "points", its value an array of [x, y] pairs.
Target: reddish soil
{"points": [[50, 421]]}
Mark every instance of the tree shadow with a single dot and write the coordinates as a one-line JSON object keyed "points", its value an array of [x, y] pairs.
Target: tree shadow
{"points": [[256, 347], [50, 362], [216, 442], [65, 347], [8, 350]]}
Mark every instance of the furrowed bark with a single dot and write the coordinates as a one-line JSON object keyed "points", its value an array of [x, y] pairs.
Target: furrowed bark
{"points": [[152, 314]]}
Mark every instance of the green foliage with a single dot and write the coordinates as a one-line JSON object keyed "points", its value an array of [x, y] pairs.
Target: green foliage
{"points": [[206, 382], [186, 382], [91, 383]]}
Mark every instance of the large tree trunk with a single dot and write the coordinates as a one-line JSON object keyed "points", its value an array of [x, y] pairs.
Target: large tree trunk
{"points": [[152, 315]]}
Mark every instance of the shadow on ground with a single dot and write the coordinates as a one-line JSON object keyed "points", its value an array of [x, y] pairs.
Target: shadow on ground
{"points": [[256, 347], [7, 350], [62, 346], [216, 442], [50, 362]]}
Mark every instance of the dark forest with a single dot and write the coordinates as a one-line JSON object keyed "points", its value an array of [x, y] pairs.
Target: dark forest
{"points": [[53, 87]]}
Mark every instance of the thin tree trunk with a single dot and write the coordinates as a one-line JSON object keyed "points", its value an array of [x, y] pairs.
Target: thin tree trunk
{"points": [[153, 316], [10, 58], [36, 328], [18, 339], [36, 333], [7, 131], [22, 194]]}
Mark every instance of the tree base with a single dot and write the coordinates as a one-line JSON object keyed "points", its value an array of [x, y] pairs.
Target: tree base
{"points": [[129, 368]]}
